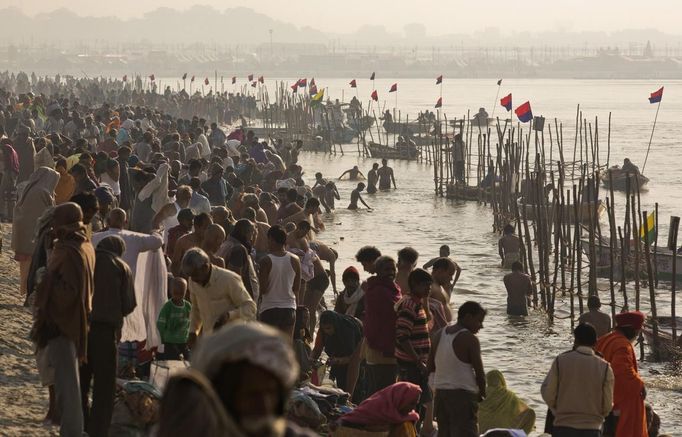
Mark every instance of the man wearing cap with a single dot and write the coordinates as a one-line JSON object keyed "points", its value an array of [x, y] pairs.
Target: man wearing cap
{"points": [[629, 391]]}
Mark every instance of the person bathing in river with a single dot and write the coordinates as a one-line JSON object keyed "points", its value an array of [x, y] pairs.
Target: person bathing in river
{"points": [[509, 247], [385, 174], [372, 179], [443, 252], [355, 197], [353, 174], [519, 290]]}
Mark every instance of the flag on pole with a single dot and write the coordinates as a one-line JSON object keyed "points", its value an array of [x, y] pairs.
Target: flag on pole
{"points": [[317, 98], [294, 87], [312, 81], [353, 84], [261, 79], [507, 102], [184, 76], [375, 96], [192, 79], [372, 76], [439, 79], [499, 82], [250, 77], [524, 113], [312, 88], [206, 81], [656, 96], [394, 88], [439, 103], [234, 80], [302, 83], [647, 232], [125, 78], [151, 77], [254, 83]]}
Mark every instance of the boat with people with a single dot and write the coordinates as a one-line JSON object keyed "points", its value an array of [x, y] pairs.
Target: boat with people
{"points": [[617, 177]]}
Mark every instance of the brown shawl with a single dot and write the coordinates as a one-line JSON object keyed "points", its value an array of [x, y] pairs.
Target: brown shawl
{"points": [[64, 297], [35, 199]]}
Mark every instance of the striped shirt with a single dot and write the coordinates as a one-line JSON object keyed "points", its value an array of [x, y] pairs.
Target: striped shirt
{"points": [[411, 325]]}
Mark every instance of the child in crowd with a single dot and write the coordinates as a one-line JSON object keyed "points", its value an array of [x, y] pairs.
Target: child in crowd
{"points": [[173, 322]]}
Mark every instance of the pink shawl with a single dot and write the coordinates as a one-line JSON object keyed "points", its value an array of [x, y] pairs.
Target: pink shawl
{"points": [[384, 407]]}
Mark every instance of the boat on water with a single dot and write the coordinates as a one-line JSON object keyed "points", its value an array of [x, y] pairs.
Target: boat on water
{"points": [[617, 177], [383, 151], [360, 124], [585, 209], [664, 347], [661, 260]]}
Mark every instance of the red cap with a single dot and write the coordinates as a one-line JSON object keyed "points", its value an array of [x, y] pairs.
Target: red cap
{"points": [[634, 319], [350, 271]]}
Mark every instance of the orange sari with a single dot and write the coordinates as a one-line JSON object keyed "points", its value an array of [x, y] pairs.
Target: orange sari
{"points": [[627, 391]]}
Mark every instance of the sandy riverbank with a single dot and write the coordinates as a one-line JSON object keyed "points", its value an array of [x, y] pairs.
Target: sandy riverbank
{"points": [[24, 400]]}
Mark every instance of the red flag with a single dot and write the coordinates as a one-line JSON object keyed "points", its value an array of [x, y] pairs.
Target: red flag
{"points": [[524, 113], [250, 77], [439, 103], [295, 86], [656, 96], [372, 76], [234, 80], [151, 77], [125, 78], [312, 82], [506, 101], [394, 88], [302, 83], [254, 83], [439, 79], [206, 81], [184, 76], [312, 89], [375, 96], [353, 84], [261, 79], [192, 79]]}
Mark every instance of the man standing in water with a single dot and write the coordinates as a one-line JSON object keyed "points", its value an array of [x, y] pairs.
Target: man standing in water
{"points": [[519, 290], [355, 197], [600, 320], [372, 179], [509, 247], [443, 252], [459, 378], [353, 174], [385, 174]]}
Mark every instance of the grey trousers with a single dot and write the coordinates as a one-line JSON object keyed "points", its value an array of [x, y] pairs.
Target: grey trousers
{"points": [[64, 360]]}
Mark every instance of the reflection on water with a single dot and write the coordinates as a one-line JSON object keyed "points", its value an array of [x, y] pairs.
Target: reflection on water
{"points": [[522, 348]]}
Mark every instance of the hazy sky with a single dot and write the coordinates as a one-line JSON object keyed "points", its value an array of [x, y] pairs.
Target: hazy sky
{"points": [[440, 16]]}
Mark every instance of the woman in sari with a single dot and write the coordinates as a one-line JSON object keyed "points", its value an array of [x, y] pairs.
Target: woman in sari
{"points": [[38, 196], [502, 408]]}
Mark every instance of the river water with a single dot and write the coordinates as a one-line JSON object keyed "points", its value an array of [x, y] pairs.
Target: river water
{"points": [[522, 348]]}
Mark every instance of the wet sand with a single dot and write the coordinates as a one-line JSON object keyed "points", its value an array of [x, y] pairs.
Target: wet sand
{"points": [[24, 400]]}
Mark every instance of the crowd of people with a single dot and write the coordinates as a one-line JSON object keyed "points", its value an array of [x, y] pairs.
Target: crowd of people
{"points": [[142, 235]]}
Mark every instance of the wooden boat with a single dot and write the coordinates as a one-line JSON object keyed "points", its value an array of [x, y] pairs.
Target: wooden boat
{"points": [[619, 178], [567, 212], [382, 151], [466, 192], [665, 349], [662, 261], [361, 124], [407, 128]]}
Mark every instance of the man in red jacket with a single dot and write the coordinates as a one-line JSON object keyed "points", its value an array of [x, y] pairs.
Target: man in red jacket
{"points": [[379, 325]]}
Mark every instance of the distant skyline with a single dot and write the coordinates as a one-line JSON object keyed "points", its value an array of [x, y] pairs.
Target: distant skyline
{"points": [[438, 16]]}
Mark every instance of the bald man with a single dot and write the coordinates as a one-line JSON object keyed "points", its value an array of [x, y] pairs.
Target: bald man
{"points": [[186, 242], [213, 239]]}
